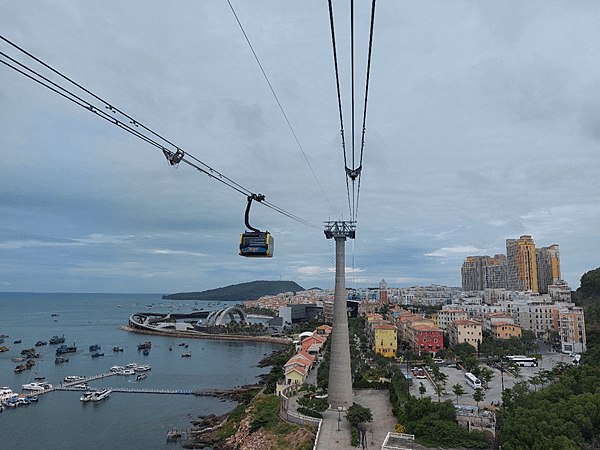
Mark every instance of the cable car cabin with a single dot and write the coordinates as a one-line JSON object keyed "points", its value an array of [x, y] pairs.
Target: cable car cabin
{"points": [[256, 244]]}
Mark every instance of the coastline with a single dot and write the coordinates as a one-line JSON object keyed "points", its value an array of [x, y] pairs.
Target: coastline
{"points": [[222, 337]]}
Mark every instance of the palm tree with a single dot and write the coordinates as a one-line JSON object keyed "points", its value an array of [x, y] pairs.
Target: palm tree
{"points": [[458, 391]]}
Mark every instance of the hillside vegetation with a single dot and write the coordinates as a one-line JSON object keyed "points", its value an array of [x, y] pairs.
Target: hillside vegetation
{"points": [[239, 292]]}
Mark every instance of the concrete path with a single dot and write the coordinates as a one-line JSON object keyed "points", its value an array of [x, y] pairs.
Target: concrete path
{"points": [[335, 435]]}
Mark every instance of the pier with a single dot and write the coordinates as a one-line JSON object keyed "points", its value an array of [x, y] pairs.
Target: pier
{"points": [[71, 386]]}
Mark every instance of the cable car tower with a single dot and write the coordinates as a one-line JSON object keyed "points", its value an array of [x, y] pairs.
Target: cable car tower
{"points": [[340, 376]]}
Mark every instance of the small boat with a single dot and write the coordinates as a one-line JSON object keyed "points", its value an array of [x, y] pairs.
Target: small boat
{"points": [[23, 401], [95, 355], [19, 359], [61, 359], [20, 368], [126, 372], [40, 343], [146, 352], [117, 368], [18, 341], [57, 339], [142, 368], [186, 355], [32, 398], [141, 376], [182, 344], [94, 348], [170, 348], [145, 345], [81, 386], [4, 348], [54, 315], [39, 378], [117, 349]]}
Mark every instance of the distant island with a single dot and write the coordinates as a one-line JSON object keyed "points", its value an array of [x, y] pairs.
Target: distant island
{"points": [[239, 292]]}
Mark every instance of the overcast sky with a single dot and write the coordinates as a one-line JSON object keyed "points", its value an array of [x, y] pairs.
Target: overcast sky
{"points": [[483, 124]]}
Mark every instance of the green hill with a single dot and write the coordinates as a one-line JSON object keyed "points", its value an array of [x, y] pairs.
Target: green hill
{"points": [[239, 292]]}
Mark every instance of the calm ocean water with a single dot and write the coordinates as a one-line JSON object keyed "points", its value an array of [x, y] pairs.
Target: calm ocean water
{"points": [[124, 420]]}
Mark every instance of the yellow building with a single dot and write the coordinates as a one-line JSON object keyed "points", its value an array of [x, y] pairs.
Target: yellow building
{"points": [[521, 264], [465, 331], [385, 340], [505, 330]]}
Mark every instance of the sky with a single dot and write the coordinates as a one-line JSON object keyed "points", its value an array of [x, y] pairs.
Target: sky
{"points": [[483, 124]]}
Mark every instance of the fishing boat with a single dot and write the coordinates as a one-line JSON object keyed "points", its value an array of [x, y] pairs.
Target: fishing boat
{"points": [[19, 359], [57, 339], [145, 345], [141, 376], [20, 368], [95, 355], [4, 348], [94, 348], [61, 359], [66, 349], [40, 343], [146, 352], [117, 349], [18, 341], [186, 355]]}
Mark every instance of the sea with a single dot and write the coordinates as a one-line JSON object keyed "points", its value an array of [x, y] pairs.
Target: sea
{"points": [[60, 421]]}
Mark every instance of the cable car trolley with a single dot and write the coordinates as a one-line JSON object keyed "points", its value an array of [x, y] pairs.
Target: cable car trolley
{"points": [[255, 243]]}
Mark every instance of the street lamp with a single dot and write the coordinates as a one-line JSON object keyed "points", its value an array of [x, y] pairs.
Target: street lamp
{"points": [[339, 416]]}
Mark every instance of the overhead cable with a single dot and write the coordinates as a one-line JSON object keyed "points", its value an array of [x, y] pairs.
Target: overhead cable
{"points": [[107, 112], [279, 103]]}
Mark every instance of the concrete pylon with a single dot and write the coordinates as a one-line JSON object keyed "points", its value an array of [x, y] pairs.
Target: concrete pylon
{"points": [[340, 376]]}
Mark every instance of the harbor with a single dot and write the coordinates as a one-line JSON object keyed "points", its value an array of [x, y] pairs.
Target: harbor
{"points": [[138, 413]]}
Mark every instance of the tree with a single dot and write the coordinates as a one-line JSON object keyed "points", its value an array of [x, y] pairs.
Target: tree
{"points": [[478, 396], [422, 389], [458, 391], [439, 388], [358, 414]]}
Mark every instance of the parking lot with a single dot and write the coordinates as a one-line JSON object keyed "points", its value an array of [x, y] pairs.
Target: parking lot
{"points": [[493, 393]]}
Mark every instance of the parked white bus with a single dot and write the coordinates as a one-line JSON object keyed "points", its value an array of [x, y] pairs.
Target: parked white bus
{"points": [[523, 361], [472, 380]]}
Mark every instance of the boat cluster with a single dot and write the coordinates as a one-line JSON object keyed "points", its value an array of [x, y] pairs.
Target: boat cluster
{"points": [[10, 399], [130, 369]]}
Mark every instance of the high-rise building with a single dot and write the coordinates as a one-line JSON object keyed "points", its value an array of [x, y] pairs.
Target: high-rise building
{"points": [[479, 273], [548, 267], [521, 264]]}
